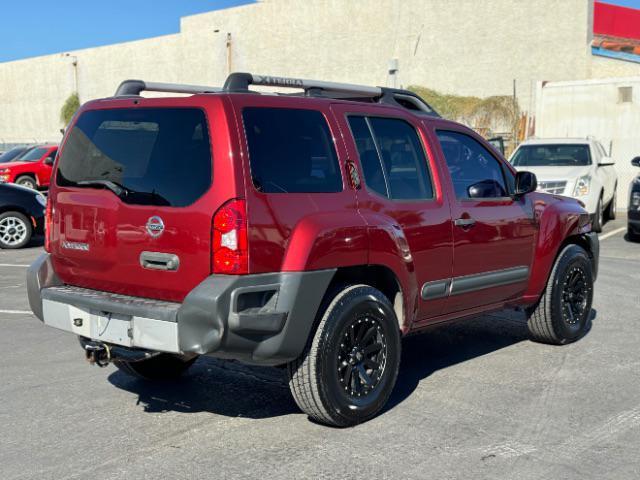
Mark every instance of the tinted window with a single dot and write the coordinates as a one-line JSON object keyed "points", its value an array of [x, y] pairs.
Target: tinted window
{"points": [[33, 155], [551, 156], [474, 171], [11, 154], [291, 151], [158, 156], [374, 176], [394, 164]]}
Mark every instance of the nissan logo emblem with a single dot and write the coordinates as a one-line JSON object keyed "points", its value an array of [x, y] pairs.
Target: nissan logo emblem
{"points": [[155, 226]]}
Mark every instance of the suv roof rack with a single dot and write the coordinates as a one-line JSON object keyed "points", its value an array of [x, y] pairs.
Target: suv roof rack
{"points": [[134, 87], [240, 82]]}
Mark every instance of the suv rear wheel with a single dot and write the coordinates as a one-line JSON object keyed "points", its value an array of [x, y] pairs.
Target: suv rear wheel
{"points": [[347, 372], [563, 313], [164, 366]]}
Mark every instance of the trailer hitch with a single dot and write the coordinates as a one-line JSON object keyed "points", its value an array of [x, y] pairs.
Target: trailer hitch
{"points": [[97, 353], [101, 354]]}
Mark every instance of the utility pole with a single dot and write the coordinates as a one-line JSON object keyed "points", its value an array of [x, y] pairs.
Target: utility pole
{"points": [[229, 57], [74, 62]]}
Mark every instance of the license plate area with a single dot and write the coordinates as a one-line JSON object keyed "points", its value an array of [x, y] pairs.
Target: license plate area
{"points": [[102, 326], [118, 329], [111, 328]]}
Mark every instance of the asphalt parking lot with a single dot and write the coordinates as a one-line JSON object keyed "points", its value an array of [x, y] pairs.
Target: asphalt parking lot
{"points": [[474, 400]]}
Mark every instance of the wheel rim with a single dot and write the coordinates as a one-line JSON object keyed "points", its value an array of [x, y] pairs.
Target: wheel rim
{"points": [[362, 356], [27, 183], [575, 293], [13, 231]]}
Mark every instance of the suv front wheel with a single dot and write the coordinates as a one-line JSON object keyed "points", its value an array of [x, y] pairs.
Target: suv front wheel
{"points": [[564, 311], [346, 374]]}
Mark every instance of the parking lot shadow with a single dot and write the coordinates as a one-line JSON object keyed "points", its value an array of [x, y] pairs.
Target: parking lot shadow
{"points": [[450, 344], [221, 387], [232, 389]]}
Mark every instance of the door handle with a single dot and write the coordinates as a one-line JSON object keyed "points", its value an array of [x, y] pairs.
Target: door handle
{"points": [[464, 222], [159, 261]]}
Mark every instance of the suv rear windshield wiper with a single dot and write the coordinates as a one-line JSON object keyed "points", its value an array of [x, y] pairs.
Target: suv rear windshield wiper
{"points": [[116, 188], [126, 194]]}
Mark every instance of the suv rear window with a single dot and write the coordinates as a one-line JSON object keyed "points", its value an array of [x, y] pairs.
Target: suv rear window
{"points": [[291, 151], [147, 156]]}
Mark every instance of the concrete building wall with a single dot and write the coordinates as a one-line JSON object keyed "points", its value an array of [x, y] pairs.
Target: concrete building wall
{"points": [[464, 47], [593, 107]]}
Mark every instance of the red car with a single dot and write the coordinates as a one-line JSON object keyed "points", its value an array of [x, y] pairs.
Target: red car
{"points": [[311, 231], [32, 169]]}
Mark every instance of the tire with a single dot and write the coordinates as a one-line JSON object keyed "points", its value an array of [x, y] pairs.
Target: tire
{"points": [[327, 381], [632, 236], [611, 208], [164, 366], [563, 315], [15, 230], [597, 217], [27, 181]]}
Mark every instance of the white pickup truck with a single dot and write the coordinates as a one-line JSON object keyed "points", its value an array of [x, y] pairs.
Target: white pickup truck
{"points": [[578, 168]]}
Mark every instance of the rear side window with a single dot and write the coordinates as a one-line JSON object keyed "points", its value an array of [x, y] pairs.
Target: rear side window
{"points": [[153, 156], [291, 151], [392, 158]]}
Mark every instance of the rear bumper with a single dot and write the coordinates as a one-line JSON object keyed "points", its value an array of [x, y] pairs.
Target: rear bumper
{"points": [[264, 318]]}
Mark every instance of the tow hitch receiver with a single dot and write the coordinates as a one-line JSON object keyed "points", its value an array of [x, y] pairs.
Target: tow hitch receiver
{"points": [[101, 354], [97, 353]]}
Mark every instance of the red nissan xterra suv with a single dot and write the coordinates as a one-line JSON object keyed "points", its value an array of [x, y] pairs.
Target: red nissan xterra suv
{"points": [[32, 169], [311, 230]]}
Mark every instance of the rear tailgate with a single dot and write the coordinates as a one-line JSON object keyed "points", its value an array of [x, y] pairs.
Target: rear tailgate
{"points": [[133, 200]]}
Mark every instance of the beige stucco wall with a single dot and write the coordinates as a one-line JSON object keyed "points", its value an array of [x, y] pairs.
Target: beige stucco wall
{"points": [[464, 47]]}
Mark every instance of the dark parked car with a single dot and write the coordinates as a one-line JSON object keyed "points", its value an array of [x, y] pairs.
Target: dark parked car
{"points": [[21, 215], [14, 153], [633, 213]]}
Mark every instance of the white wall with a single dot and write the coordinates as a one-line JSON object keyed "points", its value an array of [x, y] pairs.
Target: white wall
{"points": [[592, 107], [464, 47]]}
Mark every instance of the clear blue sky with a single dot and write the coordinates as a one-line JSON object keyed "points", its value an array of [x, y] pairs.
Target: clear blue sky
{"points": [[29, 28], [624, 3]]}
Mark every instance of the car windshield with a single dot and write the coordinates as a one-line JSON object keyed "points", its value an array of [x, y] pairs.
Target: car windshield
{"points": [[552, 156], [12, 154], [32, 155]]}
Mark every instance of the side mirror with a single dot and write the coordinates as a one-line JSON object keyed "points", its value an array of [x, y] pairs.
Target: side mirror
{"points": [[486, 189], [48, 161], [606, 162], [636, 162], [526, 182]]}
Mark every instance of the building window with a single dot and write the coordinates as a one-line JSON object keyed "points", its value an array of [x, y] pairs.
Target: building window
{"points": [[625, 94]]}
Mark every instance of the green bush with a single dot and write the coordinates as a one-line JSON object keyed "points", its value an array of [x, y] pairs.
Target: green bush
{"points": [[70, 106]]}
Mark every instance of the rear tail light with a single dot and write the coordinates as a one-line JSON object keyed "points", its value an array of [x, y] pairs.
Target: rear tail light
{"points": [[48, 226], [230, 245]]}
